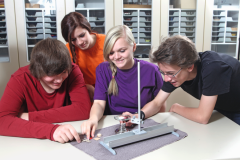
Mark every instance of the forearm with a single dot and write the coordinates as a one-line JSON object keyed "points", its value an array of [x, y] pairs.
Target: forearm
{"points": [[152, 108], [97, 111], [193, 114], [72, 112], [14, 126]]}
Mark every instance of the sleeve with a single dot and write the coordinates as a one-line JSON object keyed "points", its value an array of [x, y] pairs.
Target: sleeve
{"points": [[102, 82], [10, 125], [79, 108], [168, 87], [216, 77], [158, 82]]}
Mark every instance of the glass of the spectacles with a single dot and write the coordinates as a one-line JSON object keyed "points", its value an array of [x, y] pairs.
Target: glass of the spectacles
{"points": [[170, 75]]}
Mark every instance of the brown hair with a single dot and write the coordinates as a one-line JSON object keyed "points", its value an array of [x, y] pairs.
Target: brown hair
{"points": [[177, 50], [112, 36], [69, 23], [49, 57]]}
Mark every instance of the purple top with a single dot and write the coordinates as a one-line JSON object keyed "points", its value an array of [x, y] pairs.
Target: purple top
{"points": [[127, 98]]}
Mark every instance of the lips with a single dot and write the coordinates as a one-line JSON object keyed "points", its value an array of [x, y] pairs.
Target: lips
{"points": [[119, 61], [57, 84], [83, 45]]}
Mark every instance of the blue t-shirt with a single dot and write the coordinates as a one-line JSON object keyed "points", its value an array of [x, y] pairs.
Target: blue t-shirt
{"points": [[127, 80]]}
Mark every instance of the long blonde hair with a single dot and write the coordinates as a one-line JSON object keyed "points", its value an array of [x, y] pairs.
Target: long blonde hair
{"points": [[120, 31]]}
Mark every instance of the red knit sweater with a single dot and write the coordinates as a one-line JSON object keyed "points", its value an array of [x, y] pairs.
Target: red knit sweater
{"points": [[24, 92]]}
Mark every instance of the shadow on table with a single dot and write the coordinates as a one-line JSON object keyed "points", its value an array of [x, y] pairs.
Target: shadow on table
{"points": [[215, 116]]}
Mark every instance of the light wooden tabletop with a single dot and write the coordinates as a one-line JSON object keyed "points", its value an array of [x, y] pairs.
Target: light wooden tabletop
{"points": [[219, 139]]}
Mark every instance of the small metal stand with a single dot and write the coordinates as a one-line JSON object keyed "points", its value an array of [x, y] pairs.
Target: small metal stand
{"points": [[139, 134], [122, 128]]}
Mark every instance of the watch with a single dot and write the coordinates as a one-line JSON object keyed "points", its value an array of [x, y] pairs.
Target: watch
{"points": [[142, 115]]}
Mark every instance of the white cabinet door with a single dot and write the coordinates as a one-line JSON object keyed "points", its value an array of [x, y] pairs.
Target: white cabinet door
{"points": [[35, 22], [8, 44]]}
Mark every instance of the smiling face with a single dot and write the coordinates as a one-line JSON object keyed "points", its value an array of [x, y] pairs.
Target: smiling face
{"points": [[51, 83], [81, 38], [122, 54], [184, 74]]}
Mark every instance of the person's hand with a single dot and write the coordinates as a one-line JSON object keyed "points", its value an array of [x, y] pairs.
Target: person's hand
{"points": [[174, 106], [129, 123], [23, 116], [65, 133], [89, 127], [90, 89]]}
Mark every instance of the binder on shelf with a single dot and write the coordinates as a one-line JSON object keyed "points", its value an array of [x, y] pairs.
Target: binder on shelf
{"points": [[144, 35], [231, 40], [54, 36], [129, 13], [37, 14], [36, 36], [144, 19], [145, 29], [187, 24], [171, 29], [33, 19], [134, 29], [188, 13], [130, 18], [173, 13], [171, 24], [174, 19], [187, 29], [36, 25], [145, 13], [145, 40], [218, 13], [49, 20], [50, 31], [33, 30]]}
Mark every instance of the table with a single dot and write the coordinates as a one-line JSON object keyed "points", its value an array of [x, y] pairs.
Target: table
{"points": [[219, 139]]}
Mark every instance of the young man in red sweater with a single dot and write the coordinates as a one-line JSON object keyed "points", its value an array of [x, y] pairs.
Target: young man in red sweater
{"points": [[49, 90]]}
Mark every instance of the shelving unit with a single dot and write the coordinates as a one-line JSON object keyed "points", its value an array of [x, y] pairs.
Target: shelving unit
{"points": [[139, 20], [221, 27], [94, 15], [182, 22], [4, 52], [225, 31], [40, 24]]}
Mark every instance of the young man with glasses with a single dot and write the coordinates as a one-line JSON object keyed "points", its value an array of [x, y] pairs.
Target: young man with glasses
{"points": [[211, 77]]}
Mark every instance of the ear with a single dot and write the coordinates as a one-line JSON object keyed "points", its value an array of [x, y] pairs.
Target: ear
{"points": [[190, 69], [134, 47]]}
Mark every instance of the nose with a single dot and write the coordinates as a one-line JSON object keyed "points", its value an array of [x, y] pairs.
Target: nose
{"points": [[58, 79], [117, 55], [79, 41], [166, 78]]}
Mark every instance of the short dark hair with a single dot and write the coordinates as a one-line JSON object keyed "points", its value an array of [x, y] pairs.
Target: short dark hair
{"points": [[177, 50], [69, 23], [49, 57]]}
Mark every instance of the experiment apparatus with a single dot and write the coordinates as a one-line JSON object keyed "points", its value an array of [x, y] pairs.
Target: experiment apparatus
{"points": [[136, 135]]}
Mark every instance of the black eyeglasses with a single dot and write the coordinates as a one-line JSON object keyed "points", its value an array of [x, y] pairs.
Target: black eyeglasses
{"points": [[170, 75]]}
